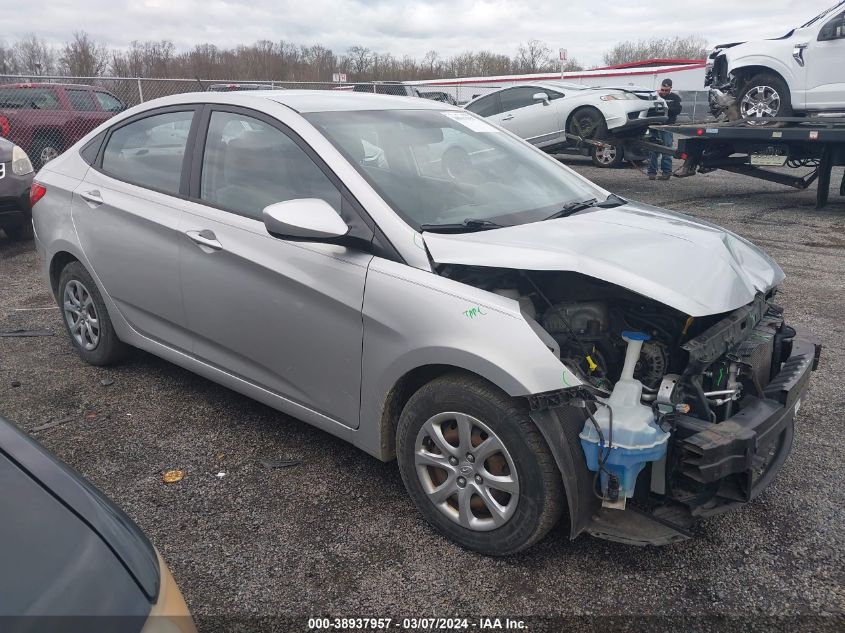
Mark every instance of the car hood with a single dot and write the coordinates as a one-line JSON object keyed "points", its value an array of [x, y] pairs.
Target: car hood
{"points": [[685, 263]]}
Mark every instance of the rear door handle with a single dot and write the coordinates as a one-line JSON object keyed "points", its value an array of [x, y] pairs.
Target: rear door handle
{"points": [[204, 238], [92, 197], [507, 118]]}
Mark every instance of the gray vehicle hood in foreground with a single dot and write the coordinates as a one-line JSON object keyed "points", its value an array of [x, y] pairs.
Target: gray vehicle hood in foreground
{"points": [[687, 264]]}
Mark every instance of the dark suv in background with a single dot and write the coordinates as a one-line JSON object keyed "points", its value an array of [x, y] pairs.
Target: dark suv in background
{"points": [[45, 119]]}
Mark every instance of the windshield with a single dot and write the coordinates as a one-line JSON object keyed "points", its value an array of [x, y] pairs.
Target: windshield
{"points": [[822, 14], [448, 167]]}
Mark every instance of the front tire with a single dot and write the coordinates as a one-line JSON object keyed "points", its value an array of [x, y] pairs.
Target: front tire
{"points": [[763, 97], [476, 467], [86, 318]]}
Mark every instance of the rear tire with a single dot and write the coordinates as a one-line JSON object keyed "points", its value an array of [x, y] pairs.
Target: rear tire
{"points": [[764, 96], [86, 319], [460, 443]]}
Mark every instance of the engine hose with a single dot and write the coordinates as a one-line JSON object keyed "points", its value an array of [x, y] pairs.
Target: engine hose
{"points": [[601, 443], [703, 407]]}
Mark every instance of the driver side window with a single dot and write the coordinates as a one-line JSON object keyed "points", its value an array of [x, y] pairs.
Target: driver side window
{"points": [[249, 164], [833, 30]]}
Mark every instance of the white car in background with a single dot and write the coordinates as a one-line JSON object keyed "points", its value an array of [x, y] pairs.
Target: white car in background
{"points": [[797, 74], [543, 113]]}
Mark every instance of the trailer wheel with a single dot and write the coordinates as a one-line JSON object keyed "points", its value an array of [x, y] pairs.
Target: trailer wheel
{"points": [[607, 156], [589, 123], [764, 96]]}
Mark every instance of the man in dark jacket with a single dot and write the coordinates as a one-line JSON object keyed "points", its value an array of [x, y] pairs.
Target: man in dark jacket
{"points": [[662, 137]]}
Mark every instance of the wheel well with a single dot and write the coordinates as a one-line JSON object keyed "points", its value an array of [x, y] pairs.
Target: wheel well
{"points": [[577, 110], [49, 134], [745, 73], [398, 397], [57, 265]]}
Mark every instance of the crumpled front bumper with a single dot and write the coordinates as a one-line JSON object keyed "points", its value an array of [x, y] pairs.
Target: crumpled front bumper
{"points": [[743, 454], [716, 467]]}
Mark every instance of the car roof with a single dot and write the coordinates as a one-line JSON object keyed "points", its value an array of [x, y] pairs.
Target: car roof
{"points": [[336, 100], [305, 101], [52, 85]]}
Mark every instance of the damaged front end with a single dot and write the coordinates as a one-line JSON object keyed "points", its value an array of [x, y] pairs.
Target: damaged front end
{"points": [[722, 96], [677, 417]]}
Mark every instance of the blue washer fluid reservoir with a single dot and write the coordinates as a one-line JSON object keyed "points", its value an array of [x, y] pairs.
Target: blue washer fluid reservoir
{"points": [[635, 440]]}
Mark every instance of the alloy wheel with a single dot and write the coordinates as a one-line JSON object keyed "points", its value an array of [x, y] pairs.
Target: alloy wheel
{"points": [[760, 102], [81, 315], [605, 154], [466, 471], [48, 153]]}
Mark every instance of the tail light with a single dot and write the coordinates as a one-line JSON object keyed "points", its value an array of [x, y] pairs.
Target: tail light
{"points": [[36, 192], [5, 127]]}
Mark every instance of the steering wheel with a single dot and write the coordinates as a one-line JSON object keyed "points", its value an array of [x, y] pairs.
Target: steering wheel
{"points": [[456, 164]]}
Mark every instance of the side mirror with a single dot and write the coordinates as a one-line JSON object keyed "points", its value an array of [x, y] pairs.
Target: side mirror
{"points": [[306, 218], [541, 96]]}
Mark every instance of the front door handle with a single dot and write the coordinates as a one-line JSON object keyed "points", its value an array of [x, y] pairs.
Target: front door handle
{"points": [[93, 197], [204, 238], [508, 118]]}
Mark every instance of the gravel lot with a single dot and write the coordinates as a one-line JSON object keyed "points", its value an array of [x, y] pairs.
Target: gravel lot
{"points": [[336, 535]]}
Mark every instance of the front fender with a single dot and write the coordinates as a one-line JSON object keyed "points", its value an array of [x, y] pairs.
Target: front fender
{"points": [[413, 318], [737, 61]]}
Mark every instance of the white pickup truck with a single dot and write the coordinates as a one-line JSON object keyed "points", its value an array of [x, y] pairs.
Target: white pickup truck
{"points": [[801, 73]]}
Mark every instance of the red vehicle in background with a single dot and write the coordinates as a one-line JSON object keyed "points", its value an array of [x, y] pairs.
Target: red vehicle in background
{"points": [[45, 118]]}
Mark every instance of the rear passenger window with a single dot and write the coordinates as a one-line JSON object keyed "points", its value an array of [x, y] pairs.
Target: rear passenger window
{"points": [[248, 165], [149, 152], [81, 100]]}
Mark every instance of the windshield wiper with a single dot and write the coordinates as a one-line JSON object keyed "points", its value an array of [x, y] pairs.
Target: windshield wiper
{"points": [[469, 223], [579, 205]]}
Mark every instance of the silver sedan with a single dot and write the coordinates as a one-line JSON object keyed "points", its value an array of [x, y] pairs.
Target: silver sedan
{"points": [[403, 274]]}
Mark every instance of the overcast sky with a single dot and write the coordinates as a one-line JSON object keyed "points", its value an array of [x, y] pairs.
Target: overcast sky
{"points": [[585, 27]]}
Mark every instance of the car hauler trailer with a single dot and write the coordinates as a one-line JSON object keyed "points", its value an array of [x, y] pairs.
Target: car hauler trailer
{"points": [[746, 149], [742, 148]]}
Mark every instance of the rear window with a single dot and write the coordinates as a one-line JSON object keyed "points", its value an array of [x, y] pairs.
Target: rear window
{"points": [[108, 102], [29, 99]]}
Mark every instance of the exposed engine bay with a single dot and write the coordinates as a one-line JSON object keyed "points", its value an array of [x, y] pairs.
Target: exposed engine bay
{"points": [[586, 317], [658, 384]]}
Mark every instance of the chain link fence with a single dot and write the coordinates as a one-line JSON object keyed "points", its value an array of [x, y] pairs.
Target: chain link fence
{"points": [[46, 115]]}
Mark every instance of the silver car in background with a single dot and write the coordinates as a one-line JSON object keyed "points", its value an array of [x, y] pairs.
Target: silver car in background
{"points": [[544, 112], [406, 276]]}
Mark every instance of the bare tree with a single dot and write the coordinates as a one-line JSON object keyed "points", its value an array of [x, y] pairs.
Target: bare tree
{"points": [[689, 47], [264, 60], [83, 57], [8, 60], [431, 64], [361, 59], [34, 56], [532, 57]]}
